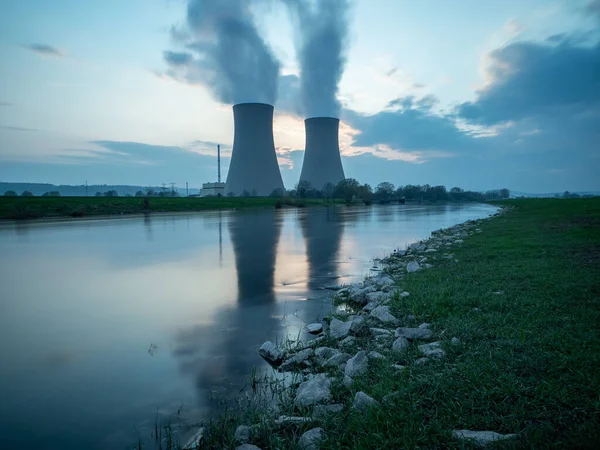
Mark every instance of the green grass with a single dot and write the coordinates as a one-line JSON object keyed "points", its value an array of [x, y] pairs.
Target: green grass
{"points": [[52, 207], [528, 361]]}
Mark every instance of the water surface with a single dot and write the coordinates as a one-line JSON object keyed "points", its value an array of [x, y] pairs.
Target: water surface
{"points": [[105, 323]]}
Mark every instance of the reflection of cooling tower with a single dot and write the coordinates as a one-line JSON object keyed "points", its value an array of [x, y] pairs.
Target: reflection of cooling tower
{"points": [[322, 161], [254, 237], [253, 166], [322, 230]]}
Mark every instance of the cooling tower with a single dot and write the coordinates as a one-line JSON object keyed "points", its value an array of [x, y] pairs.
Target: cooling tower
{"points": [[322, 161], [253, 166]]}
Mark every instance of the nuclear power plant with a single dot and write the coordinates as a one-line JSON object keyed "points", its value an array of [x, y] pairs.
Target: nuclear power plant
{"points": [[253, 168], [322, 161]]}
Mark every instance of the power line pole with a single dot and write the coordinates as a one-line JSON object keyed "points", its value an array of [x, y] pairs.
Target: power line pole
{"points": [[219, 162], [86, 188], [187, 194]]}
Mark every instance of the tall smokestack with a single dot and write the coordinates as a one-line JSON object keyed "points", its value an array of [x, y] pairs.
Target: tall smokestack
{"points": [[253, 166], [218, 163], [322, 162]]}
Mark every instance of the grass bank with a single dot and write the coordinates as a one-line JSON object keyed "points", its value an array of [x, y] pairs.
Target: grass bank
{"points": [[17, 208], [522, 295]]}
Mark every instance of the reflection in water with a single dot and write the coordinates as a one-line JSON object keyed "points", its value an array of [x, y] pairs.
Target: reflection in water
{"points": [[254, 238], [322, 230], [220, 359]]}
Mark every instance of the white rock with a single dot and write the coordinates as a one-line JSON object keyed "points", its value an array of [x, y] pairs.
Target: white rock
{"points": [[481, 438], [315, 390], [458, 241], [413, 333], [400, 344], [377, 296], [339, 329], [347, 381], [323, 410], [425, 325], [421, 361], [375, 355], [404, 294], [314, 328], [311, 440], [380, 331], [247, 447], [195, 441], [347, 342], [292, 420], [383, 280], [242, 434], [398, 367], [356, 324], [412, 266], [363, 401], [325, 352], [411, 317], [382, 313], [299, 358], [336, 360], [357, 365], [271, 353], [455, 341], [370, 306], [430, 250], [434, 349]]}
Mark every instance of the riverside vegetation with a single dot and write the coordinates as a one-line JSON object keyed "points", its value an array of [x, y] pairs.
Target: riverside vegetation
{"points": [[487, 334], [51, 204]]}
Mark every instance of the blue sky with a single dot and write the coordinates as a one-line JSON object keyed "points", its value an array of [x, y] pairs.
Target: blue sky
{"points": [[477, 94]]}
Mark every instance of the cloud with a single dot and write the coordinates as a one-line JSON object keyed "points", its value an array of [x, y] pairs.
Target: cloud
{"points": [[530, 79], [593, 9], [6, 127], [6, 104], [409, 130], [45, 50]]}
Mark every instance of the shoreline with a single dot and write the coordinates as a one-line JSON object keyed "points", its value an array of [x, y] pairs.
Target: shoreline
{"points": [[35, 209], [346, 344], [496, 343]]}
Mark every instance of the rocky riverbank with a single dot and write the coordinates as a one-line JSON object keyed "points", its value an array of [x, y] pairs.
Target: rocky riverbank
{"points": [[366, 329]]}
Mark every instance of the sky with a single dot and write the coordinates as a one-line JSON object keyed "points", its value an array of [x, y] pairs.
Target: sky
{"points": [[481, 95]]}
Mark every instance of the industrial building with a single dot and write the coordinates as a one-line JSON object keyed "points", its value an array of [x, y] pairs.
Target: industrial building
{"points": [[212, 189], [322, 161], [253, 168]]}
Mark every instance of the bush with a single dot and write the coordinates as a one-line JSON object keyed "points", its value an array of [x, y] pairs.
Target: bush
{"points": [[10, 194]]}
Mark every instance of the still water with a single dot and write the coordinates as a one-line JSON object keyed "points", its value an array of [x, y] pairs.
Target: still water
{"points": [[106, 323]]}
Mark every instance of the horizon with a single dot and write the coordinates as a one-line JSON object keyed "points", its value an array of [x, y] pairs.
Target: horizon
{"points": [[480, 96]]}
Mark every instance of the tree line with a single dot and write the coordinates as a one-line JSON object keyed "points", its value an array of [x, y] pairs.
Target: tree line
{"points": [[351, 190]]}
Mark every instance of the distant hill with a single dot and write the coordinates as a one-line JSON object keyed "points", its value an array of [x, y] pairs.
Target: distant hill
{"points": [[516, 194], [80, 191]]}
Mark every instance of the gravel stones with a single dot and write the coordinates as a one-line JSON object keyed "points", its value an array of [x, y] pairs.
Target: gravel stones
{"points": [[315, 390], [413, 333], [400, 344], [357, 365], [271, 353], [362, 401]]}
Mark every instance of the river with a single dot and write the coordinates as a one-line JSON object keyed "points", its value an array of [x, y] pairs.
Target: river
{"points": [[107, 323]]}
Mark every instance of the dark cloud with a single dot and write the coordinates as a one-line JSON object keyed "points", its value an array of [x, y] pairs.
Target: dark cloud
{"points": [[224, 52], [288, 97], [178, 58], [409, 124], [531, 79], [6, 104], [593, 8], [44, 49]]}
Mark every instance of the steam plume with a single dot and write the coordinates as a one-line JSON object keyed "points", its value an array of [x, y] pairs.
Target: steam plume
{"points": [[321, 44], [225, 52]]}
